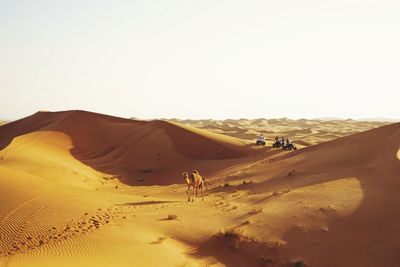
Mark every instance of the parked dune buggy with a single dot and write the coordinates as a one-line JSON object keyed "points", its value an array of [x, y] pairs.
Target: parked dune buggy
{"points": [[280, 144], [260, 142], [289, 146], [277, 144]]}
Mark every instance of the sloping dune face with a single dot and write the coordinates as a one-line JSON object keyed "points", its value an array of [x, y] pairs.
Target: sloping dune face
{"points": [[328, 205], [370, 157], [130, 150], [60, 182], [67, 198]]}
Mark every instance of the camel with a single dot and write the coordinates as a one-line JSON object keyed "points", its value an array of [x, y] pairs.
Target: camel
{"points": [[196, 181]]}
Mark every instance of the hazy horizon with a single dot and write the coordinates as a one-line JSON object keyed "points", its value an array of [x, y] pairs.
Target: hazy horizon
{"points": [[372, 119], [199, 60]]}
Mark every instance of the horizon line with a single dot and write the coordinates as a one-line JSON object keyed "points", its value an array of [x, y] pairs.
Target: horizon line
{"points": [[324, 118]]}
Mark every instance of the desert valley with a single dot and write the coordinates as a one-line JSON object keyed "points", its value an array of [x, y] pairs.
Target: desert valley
{"points": [[85, 189]]}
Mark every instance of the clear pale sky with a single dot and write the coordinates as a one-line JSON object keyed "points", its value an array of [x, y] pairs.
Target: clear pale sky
{"points": [[201, 59]]}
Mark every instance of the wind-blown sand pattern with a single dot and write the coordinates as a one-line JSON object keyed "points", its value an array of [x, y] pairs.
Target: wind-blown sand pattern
{"points": [[85, 189]]}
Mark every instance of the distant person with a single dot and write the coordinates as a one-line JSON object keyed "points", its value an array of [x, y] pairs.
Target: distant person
{"points": [[283, 140], [287, 141]]}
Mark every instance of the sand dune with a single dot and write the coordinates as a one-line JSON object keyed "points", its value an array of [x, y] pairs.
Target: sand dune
{"points": [[157, 150], [302, 131], [329, 204], [80, 188]]}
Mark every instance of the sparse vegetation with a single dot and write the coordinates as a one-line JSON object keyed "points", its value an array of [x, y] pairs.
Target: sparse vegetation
{"points": [[171, 217], [232, 233], [226, 184], [159, 240], [234, 237], [245, 222]]}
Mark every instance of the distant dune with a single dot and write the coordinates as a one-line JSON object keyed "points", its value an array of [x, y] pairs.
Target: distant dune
{"points": [[302, 131], [86, 189]]}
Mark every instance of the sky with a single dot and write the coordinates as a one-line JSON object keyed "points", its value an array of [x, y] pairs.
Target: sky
{"points": [[201, 59]]}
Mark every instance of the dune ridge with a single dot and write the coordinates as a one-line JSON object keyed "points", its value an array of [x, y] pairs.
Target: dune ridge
{"points": [[127, 148], [80, 188]]}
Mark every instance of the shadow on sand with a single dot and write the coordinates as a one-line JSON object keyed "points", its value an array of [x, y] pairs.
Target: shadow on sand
{"points": [[150, 202]]}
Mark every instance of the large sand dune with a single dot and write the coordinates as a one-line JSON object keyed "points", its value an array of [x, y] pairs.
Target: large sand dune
{"points": [[84, 189], [154, 152]]}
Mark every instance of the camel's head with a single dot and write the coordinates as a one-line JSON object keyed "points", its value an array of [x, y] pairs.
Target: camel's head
{"points": [[185, 175]]}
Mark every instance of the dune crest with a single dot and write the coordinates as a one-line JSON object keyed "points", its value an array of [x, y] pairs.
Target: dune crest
{"points": [[126, 148], [85, 188]]}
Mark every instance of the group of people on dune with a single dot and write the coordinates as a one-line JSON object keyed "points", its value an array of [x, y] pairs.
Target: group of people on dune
{"points": [[282, 140]]}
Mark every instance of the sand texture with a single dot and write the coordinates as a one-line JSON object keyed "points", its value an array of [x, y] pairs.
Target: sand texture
{"points": [[85, 189]]}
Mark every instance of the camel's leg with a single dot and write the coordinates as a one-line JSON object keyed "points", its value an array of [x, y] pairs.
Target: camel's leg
{"points": [[193, 194], [187, 192], [202, 190]]}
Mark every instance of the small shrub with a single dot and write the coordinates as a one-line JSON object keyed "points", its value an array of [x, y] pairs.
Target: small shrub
{"points": [[159, 240], [234, 238], [245, 222], [231, 233], [172, 217]]}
